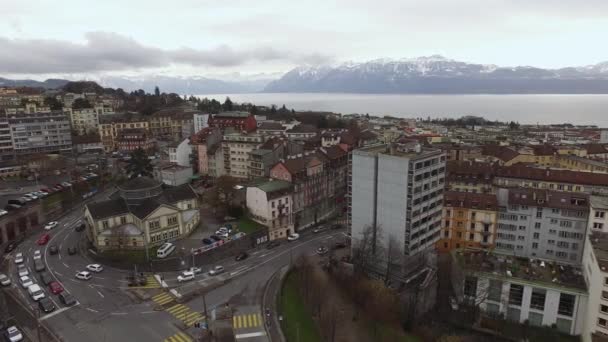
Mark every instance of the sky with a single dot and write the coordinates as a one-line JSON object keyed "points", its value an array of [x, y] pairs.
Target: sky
{"points": [[259, 38]]}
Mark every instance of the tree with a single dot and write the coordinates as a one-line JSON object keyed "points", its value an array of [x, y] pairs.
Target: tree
{"points": [[81, 103], [139, 164], [227, 105], [224, 192], [53, 103], [156, 91], [253, 110]]}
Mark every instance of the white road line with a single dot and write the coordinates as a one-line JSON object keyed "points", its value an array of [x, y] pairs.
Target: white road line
{"points": [[66, 237], [149, 312], [118, 313], [58, 273], [254, 334], [66, 265], [101, 294], [92, 310], [57, 312]]}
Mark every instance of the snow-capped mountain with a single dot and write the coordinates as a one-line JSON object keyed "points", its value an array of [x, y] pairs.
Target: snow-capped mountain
{"points": [[184, 85], [437, 74]]}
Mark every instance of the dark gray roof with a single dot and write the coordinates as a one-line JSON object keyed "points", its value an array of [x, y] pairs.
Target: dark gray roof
{"points": [[145, 208], [108, 208], [178, 193], [139, 183]]}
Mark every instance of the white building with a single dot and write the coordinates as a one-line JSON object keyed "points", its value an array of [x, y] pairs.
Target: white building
{"points": [[604, 136], [180, 154], [200, 122], [173, 175], [595, 268], [237, 148], [270, 203], [398, 189], [598, 214]]}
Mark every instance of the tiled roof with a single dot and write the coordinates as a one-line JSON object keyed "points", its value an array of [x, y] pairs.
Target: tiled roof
{"points": [[544, 150], [333, 152], [145, 208], [500, 152], [271, 126], [139, 183], [231, 115], [470, 200], [595, 149], [552, 175], [109, 208], [303, 128], [549, 199], [271, 186], [178, 193]]}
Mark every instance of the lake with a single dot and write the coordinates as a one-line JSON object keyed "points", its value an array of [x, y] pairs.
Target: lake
{"points": [[528, 109]]}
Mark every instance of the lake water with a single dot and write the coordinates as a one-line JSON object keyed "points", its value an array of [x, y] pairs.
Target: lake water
{"points": [[529, 109]]}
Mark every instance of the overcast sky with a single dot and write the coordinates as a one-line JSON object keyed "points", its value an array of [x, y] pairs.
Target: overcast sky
{"points": [[200, 37]]}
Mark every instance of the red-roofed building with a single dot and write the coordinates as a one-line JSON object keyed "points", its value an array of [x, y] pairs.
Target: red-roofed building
{"points": [[240, 121]]}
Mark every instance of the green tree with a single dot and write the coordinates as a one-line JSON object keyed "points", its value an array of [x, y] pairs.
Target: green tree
{"points": [[228, 105], [53, 103], [81, 103], [139, 164], [253, 110], [156, 91]]}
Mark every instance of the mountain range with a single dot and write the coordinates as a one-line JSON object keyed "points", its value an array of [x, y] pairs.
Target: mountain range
{"points": [[439, 75], [423, 75]]}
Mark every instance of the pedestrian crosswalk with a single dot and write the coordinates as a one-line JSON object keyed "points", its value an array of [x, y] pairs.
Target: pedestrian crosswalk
{"points": [[185, 314], [179, 337], [162, 298], [151, 282], [246, 321]]}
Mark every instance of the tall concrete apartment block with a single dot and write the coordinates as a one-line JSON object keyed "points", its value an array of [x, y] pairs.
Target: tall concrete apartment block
{"points": [[40, 132], [398, 190]]}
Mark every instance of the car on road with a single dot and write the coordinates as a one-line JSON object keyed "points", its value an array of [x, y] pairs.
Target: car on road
{"points": [[216, 270], [55, 287], [46, 305], [80, 227], [207, 241], [272, 244], [95, 268], [35, 292], [185, 276], [50, 225], [241, 256], [83, 275], [31, 196], [37, 254], [4, 280], [196, 270], [26, 282], [19, 258], [43, 240], [318, 229], [46, 278], [67, 299], [293, 237], [322, 250], [39, 265], [71, 250], [53, 249], [215, 237], [3, 212], [339, 245], [66, 184], [22, 270], [25, 199], [10, 247], [13, 334]]}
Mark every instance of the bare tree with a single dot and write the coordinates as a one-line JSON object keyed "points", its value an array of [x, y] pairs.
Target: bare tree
{"points": [[393, 258], [366, 249]]}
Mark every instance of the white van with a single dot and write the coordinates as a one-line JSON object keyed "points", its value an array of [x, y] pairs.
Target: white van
{"points": [[165, 250], [35, 292]]}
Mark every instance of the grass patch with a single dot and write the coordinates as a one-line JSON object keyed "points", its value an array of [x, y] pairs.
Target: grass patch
{"points": [[297, 323], [383, 332], [129, 256], [248, 226]]}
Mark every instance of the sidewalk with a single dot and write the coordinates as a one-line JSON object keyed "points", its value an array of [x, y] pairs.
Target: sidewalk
{"points": [[270, 300]]}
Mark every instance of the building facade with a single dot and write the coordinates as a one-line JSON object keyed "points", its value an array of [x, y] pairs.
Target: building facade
{"points": [[46, 132], [239, 121], [595, 269], [131, 139], [112, 125], [270, 203], [84, 120], [201, 120], [237, 148], [180, 153]]}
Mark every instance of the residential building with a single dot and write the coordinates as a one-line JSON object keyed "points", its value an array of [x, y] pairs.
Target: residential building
{"points": [[215, 157], [84, 120], [523, 290], [143, 215], [7, 152], [237, 149], [542, 224], [173, 174], [111, 126], [269, 154], [598, 214], [200, 121], [271, 128], [604, 136], [173, 124], [269, 202], [595, 269], [131, 139], [301, 132], [469, 221], [87, 144], [239, 121], [397, 189], [179, 153], [330, 138], [460, 152], [40, 132], [202, 142]]}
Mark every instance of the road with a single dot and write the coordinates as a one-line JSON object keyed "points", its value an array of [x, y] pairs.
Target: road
{"points": [[108, 310]]}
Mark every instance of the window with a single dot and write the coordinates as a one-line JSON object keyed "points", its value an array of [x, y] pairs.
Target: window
{"points": [[536, 235], [272, 204], [123, 219], [470, 286], [516, 294], [539, 212], [472, 225], [605, 295], [600, 214], [554, 221], [105, 224], [606, 281], [537, 225], [602, 322], [535, 245], [522, 227], [604, 308], [566, 304], [522, 217], [598, 225], [471, 237], [535, 319], [154, 224], [171, 221], [554, 210], [537, 301]]}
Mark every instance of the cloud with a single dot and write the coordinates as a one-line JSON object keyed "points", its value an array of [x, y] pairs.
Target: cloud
{"points": [[106, 51]]}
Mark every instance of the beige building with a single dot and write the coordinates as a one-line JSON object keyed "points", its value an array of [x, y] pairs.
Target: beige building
{"points": [[237, 148], [111, 126], [143, 215], [84, 120]]}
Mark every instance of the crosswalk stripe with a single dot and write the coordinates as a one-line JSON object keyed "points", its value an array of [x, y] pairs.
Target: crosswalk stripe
{"points": [[250, 320], [239, 322], [255, 320], [178, 308], [259, 318], [234, 321], [185, 337]]}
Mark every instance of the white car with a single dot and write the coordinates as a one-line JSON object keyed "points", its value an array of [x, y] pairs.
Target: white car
{"points": [[50, 225], [35, 292], [3, 212], [95, 268], [31, 195], [293, 237], [83, 275], [26, 199], [196, 270], [37, 255], [26, 282], [4, 280], [19, 258], [185, 276], [13, 334], [216, 270], [22, 270]]}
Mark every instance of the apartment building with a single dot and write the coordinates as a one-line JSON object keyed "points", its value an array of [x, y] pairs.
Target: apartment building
{"points": [[270, 153], [469, 221], [180, 153], [598, 214], [40, 132], [542, 224], [131, 139], [6, 141], [239, 121], [203, 141], [270, 202], [173, 124], [595, 269], [84, 120], [111, 126], [201, 120], [397, 189], [237, 148]]}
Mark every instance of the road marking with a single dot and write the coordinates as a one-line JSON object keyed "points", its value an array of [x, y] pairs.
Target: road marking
{"points": [[59, 273], [118, 313], [99, 293], [248, 335], [179, 337], [149, 312], [59, 254], [55, 313], [92, 310], [66, 265], [162, 298], [66, 237]]}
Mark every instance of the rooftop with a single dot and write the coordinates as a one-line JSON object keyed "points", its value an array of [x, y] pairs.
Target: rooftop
{"points": [[274, 185], [548, 199], [599, 243], [139, 183], [470, 200], [412, 150], [241, 115], [536, 271], [599, 202]]}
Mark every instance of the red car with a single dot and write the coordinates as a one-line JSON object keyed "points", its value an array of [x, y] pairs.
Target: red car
{"points": [[55, 287], [43, 240]]}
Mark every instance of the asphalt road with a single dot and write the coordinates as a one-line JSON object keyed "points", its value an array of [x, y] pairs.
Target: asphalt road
{"points": [[108, 310]]}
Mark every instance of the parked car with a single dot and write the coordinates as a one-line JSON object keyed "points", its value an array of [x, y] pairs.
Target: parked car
{"points": [[46, 278], [10, 247], [207, 241], [19, 258], [53, 249], [22, 270], [50, 225], [25, 282], [25, 199], [66, 184], [43, 240], [80, 227], [83, 275], [185, 276], [55, 287], [39, 265], [196, 270], [37, 254], [216, 270], [272, 244], [46, 305], [13, 334], [3, 212], [12, 207], [95, 268], [35, 292], [67, 299], [293, 237], [241, 256], [71, 250], [4, 280], [214, 237], [339, 245]]}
